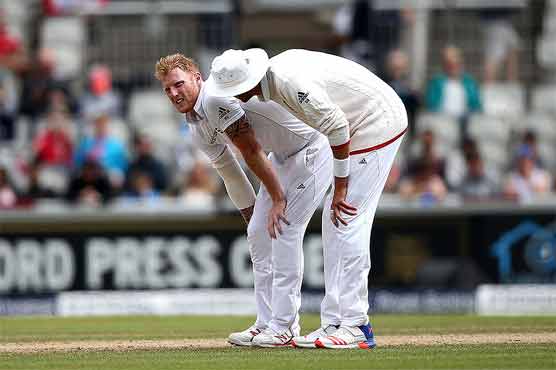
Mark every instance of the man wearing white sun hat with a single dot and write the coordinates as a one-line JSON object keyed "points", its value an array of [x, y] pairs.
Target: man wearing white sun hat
{"points": [[365, 122]]}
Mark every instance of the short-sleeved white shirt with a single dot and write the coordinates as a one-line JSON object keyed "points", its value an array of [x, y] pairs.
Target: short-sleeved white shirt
{"points": [[276, 129], [525, 187], [454, 99], [327, 92]]}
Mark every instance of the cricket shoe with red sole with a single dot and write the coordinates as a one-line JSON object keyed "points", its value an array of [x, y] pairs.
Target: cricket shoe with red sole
{"points": [[347, 337], [272, 339], [308, 341], [244, 338]]}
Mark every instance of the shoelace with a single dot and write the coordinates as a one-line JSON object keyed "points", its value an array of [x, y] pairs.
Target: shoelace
{"points": [[342, 331], [326, 330], [321, 332], [284, 337]]}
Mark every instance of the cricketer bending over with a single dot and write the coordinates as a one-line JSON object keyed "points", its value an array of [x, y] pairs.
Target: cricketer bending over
{"points": [[300, 163], [365, 122]]}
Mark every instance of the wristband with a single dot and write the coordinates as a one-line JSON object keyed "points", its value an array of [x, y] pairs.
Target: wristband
{"points": [[341, 167]]}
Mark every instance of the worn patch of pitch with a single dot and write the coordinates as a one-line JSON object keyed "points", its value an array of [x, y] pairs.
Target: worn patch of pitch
{"points": [[192, 344]]}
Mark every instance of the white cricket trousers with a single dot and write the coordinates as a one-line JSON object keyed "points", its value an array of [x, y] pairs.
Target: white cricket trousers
{"points": [[346, 249], [278, 263]]}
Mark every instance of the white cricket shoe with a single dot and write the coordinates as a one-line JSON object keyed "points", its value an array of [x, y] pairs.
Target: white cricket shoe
{"points": [[308, 341], [271, 339], [349, 337], [244, 338]]}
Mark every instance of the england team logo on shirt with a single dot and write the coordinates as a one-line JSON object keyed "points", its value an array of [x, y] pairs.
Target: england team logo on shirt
{"points": [[302, 97], [222, 113]]}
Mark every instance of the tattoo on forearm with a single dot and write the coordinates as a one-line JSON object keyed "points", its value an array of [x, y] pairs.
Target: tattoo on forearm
{"points": [[239, 127], [247, 213]]}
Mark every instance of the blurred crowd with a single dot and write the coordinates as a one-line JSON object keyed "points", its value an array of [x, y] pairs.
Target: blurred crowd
{"points": [[79, 148], [432, 167]]}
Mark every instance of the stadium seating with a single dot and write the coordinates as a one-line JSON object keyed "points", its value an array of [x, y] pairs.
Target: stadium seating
{"points": [[151, 113], [546, 52], [496, 157], [445, 128], [544, 126], [506, 100], [66, 37], [16, 16], [147, 105], [544, 99], [547, 153], [493, 135], [491, 129]]}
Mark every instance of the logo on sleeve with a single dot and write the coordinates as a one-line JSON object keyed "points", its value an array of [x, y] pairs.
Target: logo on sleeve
{"points": [[223, 113], [302, 97]]}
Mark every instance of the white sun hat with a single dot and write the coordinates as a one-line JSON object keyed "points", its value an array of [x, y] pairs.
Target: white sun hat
{"points": [[237, 71]]}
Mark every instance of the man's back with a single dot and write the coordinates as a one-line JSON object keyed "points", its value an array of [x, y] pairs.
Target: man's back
{"points": [[373, 110]]}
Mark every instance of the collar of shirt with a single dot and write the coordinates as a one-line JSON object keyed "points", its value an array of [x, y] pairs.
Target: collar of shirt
{"points": [[265, 88], [197, 114]]}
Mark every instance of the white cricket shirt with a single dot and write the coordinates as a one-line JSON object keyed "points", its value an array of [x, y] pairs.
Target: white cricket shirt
{"points": [[454, 99], [275, 128], [330, 93]]}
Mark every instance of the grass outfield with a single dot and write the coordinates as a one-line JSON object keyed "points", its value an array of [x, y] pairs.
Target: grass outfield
{"points": [[509, 353]]}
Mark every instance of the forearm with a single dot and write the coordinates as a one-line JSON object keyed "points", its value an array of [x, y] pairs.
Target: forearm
{"points": [[341, 151], [262, 168], [243, 137], [341, 160], [237, 185]]}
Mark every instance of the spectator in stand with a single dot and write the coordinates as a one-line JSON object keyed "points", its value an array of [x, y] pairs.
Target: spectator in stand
{"points": [[8, 197], [55, 8], [502, 43], [393, 180], [527, 181], [453, 92], [529, 141], [7, 111], [142, 187], [90, 187], [37, 81], [456, 163], [53, 145], [423, 185], [36, 188], [427, 149], [366, 35], [105, 149], [100, 96], [199, 190], [12, 62], [41, 92], [397, 68], [14, 162], [145, 162], [59, 98], [477, 185]]}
